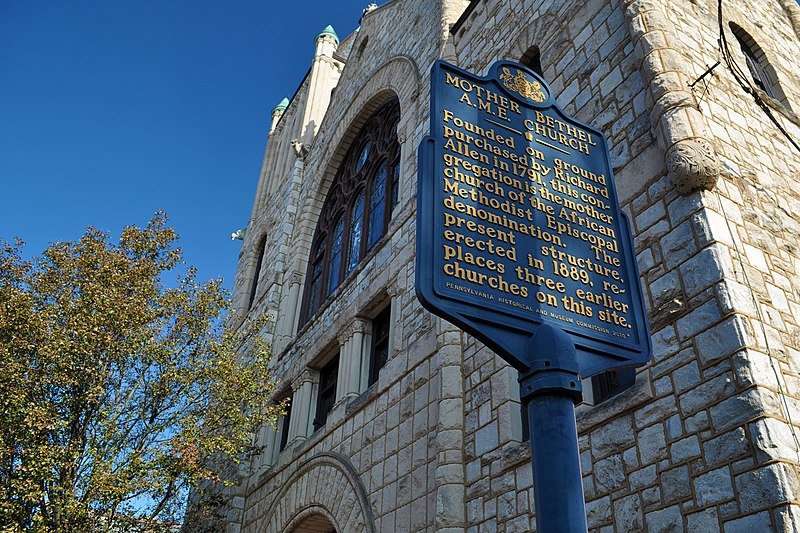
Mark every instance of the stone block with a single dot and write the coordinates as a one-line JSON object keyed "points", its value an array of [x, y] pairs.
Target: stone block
{"points": [[706, 268], [713, 487], [686, 376], [609, 473], [706, 521], [678, 245], [674, 427], [743, 407], [685, 449], [665, 343], [749, 524], [722, 340], [486, 439], [628, 514], [642, 477], [598, 511], [612, 437], [768, 486], [733, 296], [707, 393], [655, 411], [698, 319], [667, 520], [787, 519], [650, 216], [652, 445], [726, 447], [773, 440], [674, 484]]}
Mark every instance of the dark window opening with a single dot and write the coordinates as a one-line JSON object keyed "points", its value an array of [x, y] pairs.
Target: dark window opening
{"points": [[285, 426], [379, 351], [358, 208], [526, 423], [395, 184], [327, 391], [756, 61], [611, 383], [532, 59], [315, 281], [254, 285]]}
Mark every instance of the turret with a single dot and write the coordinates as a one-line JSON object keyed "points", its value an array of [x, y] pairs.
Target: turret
{"points": [[277, 113]]}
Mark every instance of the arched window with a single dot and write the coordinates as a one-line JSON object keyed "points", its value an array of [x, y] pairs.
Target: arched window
{"points": [[358, 207], [257, 274], [761, 72], [532, 59]]}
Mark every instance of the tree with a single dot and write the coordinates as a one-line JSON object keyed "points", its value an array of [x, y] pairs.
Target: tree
{"points": [[118, 394]]}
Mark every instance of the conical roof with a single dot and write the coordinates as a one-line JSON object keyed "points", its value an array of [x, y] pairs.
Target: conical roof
{"points": [[328, 30]]}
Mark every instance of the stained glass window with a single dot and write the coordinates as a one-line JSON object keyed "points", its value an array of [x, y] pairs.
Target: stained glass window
{"points": [[354, 250], [377, 204], [354, 217], [334, 265]]}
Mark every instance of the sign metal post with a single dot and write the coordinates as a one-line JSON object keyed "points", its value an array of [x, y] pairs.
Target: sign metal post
{"points": [[521, 243]]}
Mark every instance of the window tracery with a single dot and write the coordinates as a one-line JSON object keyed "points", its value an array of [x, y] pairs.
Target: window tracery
{"points": [[358, 207]]}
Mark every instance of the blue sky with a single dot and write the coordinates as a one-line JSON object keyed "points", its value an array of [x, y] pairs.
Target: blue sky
{"points": [[111, 110]]}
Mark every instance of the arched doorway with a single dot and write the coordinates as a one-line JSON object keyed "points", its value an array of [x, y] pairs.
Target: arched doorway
{"points": [[315, 523], [323, 495]]}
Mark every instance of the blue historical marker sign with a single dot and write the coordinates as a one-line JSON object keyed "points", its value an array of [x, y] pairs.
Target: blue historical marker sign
{"points": [[519, 223]]}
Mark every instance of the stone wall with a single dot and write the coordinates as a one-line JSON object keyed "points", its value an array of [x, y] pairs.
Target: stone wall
{"points": [[706, 439]]}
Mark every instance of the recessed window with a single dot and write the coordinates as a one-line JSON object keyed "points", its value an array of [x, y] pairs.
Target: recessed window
{"points": [[315, 278], [526, 422], [357, 210], [611, 383], [532, 59], [761, 72], [284, 429], [326, 396], [254, 284], [379, 351]]}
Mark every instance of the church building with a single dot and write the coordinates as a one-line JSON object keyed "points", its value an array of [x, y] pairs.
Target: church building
{"points": [[401, 422]]}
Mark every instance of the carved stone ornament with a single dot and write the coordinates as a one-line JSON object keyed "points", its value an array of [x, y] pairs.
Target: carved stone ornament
{"points": [[301, 150], [306, 376], [358, 325], [692, 164]]}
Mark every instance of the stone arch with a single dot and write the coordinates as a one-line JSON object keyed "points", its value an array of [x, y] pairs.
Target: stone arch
{"points": [[341, 499], [739, 28], [398, 77], [543, 32], [312, 519]]}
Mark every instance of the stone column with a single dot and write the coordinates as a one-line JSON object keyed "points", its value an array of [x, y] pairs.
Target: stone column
{"points": [[451, 515], [691, 159], [287, 322], [396, 327], [793, 10], [302, 398], [270, 454], [351, 360]]}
